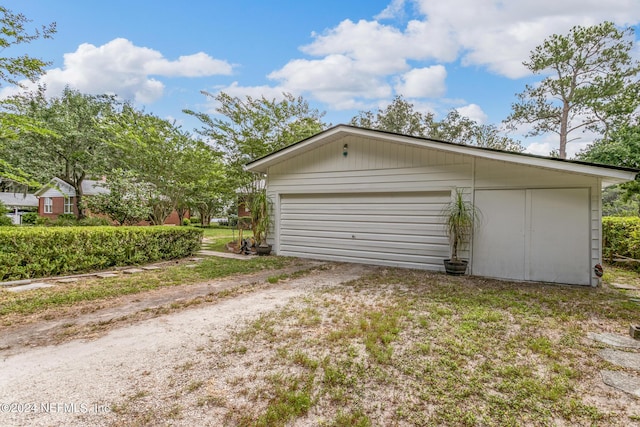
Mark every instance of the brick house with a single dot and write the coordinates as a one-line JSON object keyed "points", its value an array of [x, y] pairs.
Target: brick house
{"points": [[58, 197]]}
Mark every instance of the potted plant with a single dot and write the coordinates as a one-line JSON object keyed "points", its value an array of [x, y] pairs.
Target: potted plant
{"points": [[460, 216], [261, 221]]}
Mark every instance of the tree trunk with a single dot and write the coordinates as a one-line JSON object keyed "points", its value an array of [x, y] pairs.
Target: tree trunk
{"points": [[564, 125], [182, 210]]}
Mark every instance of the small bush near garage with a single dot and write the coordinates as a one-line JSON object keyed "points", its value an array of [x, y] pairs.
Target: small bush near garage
{"points": [[42, 251], [621, 236]]}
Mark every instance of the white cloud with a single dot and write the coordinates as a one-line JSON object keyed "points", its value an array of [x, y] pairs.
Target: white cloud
{"points": [[428, 82], [335, 79], [364, 61], [548, 143], [119, 67], [394, 10], [474, 112], [500, 34]]}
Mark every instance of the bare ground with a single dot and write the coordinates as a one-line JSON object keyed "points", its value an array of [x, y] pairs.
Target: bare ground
{"points": [[134, 346], [164, 357]]}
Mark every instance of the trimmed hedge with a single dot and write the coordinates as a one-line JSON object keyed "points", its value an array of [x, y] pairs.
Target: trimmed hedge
{"points": [[621, 236], [29, 252]]}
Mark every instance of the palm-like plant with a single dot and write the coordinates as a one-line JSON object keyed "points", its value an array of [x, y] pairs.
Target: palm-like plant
{"points": [[261, 216], [460, 217]]}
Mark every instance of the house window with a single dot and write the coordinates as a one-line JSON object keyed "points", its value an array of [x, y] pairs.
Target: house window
{"points": [[48, 205], [67, 205]]}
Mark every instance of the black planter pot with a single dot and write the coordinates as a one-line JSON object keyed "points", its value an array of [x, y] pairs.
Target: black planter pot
{"points": [[263, 250], [455, 268]]}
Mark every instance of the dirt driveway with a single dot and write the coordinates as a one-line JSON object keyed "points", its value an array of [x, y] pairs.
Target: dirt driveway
{"points": [[78, 382]]}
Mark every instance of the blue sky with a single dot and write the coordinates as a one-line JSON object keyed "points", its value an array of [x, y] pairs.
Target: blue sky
{"points": [[342, 56]]}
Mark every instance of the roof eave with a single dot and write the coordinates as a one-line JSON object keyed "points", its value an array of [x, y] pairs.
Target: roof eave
{"points": [[610, 175]]}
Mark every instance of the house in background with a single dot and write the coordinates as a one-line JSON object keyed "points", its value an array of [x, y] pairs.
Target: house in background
{"points": [[58, 197], [18, 204], [360, 195]]}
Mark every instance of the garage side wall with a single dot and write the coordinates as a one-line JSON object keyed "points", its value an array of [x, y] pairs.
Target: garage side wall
{"points": [[495, 175], [399, 190]]}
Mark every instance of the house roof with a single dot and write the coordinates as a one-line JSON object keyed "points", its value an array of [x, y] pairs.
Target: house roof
{"points": [[89, 188], [610, 174], [18, 199]]}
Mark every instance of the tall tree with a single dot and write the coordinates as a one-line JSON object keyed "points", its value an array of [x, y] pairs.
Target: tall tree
{"points": [[463, 130], [163, 155], [620, 148], [254, 127], [399, 117], [592, 83], [72, 146], [126, 202], [13, 32]]}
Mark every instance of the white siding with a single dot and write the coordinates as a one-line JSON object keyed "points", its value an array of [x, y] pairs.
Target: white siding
{"points": [[371, 166], [375, 166]]}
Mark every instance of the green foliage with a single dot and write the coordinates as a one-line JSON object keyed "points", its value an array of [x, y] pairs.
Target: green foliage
{"points": [[72, 146], [93, 221], [592, 86], [400, 117], [29, 218], [460, 216], [182, 171], [616, 201], [127, 201], [620, 148], [43, 220], [38, 251], [261, 209], [251, 128], [65, 220], [186, 222], [4, 219], [13, 33], [621, 236]]}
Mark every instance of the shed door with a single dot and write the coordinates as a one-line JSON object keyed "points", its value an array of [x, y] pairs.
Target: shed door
{"points": [[538, 234], [396, 229]]}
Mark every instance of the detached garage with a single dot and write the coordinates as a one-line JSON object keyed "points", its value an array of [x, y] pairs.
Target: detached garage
{"points": [[359, 195]]}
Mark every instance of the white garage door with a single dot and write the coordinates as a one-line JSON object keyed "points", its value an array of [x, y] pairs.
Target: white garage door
{"points": [[396, 229], [536, 234]]}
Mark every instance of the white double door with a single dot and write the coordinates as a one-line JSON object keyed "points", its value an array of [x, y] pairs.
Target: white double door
{"points": [[534, 234]]}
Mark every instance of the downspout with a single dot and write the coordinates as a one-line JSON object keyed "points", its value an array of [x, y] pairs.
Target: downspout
{"points": [[473, 203]]}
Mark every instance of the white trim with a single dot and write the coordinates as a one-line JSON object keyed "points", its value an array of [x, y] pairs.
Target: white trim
{"points": [[68, 205], [610, 175], [48, 205]]}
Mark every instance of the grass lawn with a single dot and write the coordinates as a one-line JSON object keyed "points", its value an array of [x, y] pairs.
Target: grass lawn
{"points": [[216, 238], [13, 306], [93, 289], [406, 347]]}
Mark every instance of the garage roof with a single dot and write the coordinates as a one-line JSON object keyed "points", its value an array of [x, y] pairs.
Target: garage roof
{"points": [[610, 174]]}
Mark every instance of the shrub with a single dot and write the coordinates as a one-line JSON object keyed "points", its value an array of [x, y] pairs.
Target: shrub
{"points": [[5, 221], [43, 220], [65, 220], [29, 218], [92, 221], [186, 221], [28, 252], [621, 236]]}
